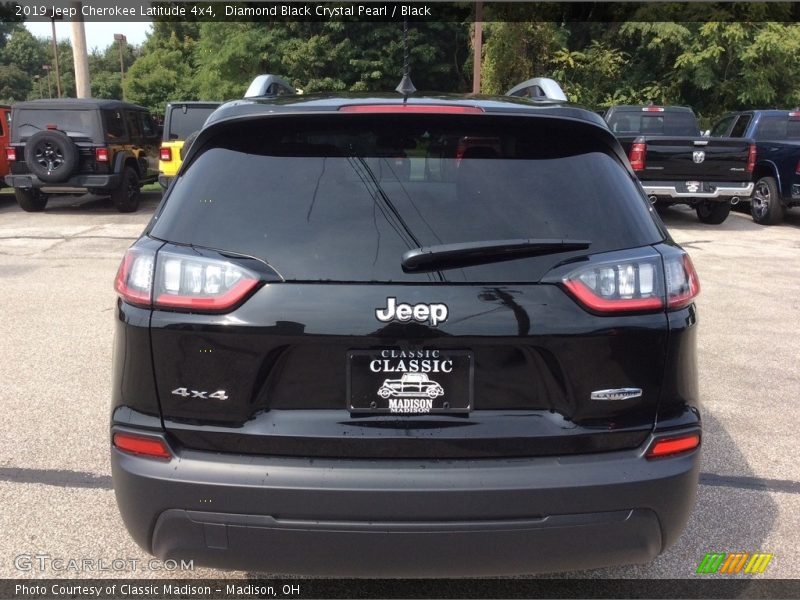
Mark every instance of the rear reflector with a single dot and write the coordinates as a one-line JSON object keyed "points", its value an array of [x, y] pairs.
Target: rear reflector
{"points": [[101, 155], [751, 158], [410, 108], [141, 445], [637, 156], [676, 445], [11, 153], [165, 154]]}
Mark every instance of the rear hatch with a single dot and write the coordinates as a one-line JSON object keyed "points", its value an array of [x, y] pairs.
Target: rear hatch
{"points": [[340, 348]]}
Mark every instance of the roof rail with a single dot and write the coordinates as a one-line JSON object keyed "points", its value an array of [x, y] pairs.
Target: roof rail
{"points": [[538, 87], [268, 86]]}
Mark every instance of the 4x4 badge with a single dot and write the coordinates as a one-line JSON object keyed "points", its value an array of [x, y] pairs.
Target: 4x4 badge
{"points": [[433, 313]]}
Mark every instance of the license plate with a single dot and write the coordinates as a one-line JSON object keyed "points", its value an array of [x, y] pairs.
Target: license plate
{"points": [[694, 186], [393, 381]]}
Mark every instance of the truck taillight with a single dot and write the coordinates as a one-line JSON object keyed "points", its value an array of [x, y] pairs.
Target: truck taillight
{"points": [[796, 169], [637, 155], [11, 153], [751, 158], [101, 155], [179, 281], [165, 154]]}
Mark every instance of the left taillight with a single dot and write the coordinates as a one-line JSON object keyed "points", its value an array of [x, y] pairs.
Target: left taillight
{"points": [[11, 153], [182, 281], [134, 282], [101, 155], [165, 154], [639, 285]]}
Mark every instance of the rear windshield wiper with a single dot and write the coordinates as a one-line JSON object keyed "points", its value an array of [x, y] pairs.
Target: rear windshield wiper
{"points": [[465, 254]]}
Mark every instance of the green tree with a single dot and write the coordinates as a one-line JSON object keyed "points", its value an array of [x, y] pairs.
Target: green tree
{"points": [[15, 85]]}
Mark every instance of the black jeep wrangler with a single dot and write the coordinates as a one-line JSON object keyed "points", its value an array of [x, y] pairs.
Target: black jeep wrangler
{"points": [[67, 146]]}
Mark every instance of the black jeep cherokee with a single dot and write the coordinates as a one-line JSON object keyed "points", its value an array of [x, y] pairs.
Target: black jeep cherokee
{"points": [[106, 147], [440, 336]]}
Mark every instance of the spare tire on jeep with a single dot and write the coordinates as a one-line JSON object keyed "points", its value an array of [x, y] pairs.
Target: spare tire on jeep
{"points": [[51, 156]]}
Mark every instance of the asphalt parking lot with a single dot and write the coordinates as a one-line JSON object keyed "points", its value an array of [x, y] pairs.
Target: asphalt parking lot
{"points": [[56, 318]]}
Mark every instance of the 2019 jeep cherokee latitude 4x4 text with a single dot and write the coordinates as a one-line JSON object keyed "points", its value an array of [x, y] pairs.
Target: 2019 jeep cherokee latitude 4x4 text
{"points": [[313, 248]]}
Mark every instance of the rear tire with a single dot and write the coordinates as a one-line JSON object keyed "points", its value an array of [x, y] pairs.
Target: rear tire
{"points": [[126, 196], [765, 205], [713, 213], [31, 200]]}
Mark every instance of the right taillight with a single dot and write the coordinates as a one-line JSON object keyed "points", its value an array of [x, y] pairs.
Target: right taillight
{"points": [[165, 154], [682, 283], [751, 158], [183, 281], [618, 287], [637, 156], [797, 168], [639, 285], [11, 153]]}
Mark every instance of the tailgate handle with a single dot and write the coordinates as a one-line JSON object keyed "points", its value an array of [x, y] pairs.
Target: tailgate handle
{"points": [[700, 142]]}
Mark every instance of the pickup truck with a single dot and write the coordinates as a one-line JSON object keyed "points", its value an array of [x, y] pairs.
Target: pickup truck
{"points": [[676, 164], [777, 170]]}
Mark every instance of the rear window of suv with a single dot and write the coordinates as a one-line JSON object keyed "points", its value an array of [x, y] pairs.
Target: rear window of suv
{"points": [[341, 199], [185, 120], [74, 122]]}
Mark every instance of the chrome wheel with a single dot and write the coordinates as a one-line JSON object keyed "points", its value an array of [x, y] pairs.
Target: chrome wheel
{"points": [[761, 199]]}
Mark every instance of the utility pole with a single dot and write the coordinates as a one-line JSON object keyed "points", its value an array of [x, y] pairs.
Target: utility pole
{"points": [[121, 39], [49, 88], [55, 56], [80, 57], [477, 44]]}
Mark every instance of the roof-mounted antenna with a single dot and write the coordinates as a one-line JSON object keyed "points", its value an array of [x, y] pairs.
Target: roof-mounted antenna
{"points": [[406, 87]]}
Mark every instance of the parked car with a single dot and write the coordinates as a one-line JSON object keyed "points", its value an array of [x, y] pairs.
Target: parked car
{"points": [[101, 146], [676, 164], [5, 126], [777, 169], [182, 121], [292, 269]]}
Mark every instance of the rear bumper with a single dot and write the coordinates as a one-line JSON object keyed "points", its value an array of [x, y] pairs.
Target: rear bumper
{"points": [[406, 518], [110, 182], [722, 191], [164, 180]]}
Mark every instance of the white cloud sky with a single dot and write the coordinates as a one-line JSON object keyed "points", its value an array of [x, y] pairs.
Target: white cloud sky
{"points": [[98, 35]]}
